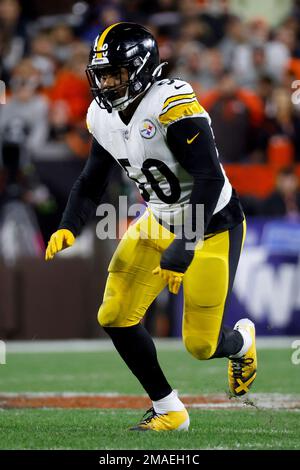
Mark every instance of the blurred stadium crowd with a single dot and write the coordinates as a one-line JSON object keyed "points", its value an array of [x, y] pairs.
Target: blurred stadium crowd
{"points": [[242, 72]]}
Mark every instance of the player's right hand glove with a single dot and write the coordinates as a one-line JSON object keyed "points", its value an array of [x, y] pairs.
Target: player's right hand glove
{"points": [[59, 240], [173, 278]]}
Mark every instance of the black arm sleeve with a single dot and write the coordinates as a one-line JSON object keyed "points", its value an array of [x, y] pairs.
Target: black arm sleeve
{"points": [[192, 143], [199, 158], [88, 189]]}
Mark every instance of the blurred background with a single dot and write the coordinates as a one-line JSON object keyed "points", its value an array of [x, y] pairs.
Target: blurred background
{"points": [[243, 60]]}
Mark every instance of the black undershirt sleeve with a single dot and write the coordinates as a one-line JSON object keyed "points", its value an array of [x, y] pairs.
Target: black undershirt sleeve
{"points": [[192, 144], [199, 158], [88, 189]]}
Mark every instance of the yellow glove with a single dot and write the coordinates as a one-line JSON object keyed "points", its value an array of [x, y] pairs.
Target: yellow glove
{"points": [[173, 278], [59, 240]]}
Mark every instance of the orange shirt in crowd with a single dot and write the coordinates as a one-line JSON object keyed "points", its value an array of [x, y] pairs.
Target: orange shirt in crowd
{"points": [[252, 102], [74, 91]]}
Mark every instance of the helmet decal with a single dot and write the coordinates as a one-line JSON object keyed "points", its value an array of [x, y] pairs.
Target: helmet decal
{"points": [[100, 48]]}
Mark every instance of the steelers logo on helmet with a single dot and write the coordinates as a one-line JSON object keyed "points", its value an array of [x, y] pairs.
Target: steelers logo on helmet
{"points": [[147, 129]]}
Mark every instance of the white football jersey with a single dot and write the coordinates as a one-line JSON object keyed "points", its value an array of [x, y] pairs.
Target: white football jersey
{"points": [[141, 147]]}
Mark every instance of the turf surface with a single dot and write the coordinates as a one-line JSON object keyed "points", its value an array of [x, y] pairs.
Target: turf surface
{"points": [[105, 372], [107, 429]]}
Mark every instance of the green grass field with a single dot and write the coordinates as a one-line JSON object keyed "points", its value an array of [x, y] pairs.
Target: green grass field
{"points": [[103, 371]]}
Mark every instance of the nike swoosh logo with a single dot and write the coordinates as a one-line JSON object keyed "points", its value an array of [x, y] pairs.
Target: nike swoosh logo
{"points": [[189, 141], [177, 87]]}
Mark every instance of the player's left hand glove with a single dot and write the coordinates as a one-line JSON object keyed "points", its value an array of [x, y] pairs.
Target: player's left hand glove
{"points": [[173, 278]]}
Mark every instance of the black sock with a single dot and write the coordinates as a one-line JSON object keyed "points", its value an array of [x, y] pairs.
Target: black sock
{"points": [[230, 342], [137, 349]]}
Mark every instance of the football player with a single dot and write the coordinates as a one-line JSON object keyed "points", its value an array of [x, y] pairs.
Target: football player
{"points": [[162, 137]]}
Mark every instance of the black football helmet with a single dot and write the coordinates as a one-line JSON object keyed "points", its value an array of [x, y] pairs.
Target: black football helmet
{"points": [[127, 45]]}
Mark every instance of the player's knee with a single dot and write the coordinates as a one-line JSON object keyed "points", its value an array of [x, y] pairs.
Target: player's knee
{"points": [[200, 348], [109, 313]]}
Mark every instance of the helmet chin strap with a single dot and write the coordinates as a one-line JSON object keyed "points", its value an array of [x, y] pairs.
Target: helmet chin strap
{"points": [[121, 103], [125, 101]]}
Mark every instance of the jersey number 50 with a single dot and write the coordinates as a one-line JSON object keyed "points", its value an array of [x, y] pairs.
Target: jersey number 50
{"points": [[174, 191]]}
